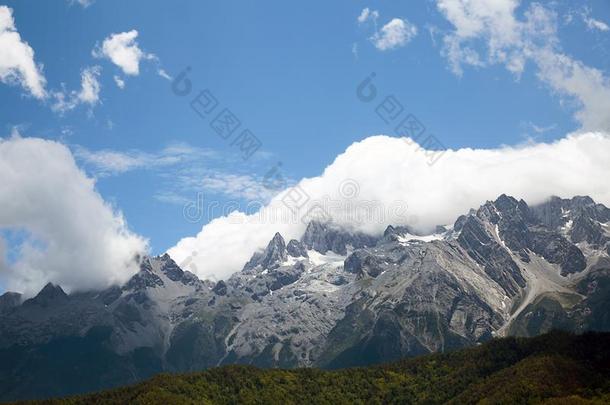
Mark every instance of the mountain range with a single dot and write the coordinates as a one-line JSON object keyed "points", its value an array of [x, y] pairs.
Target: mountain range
{"points": [[334, 298]]}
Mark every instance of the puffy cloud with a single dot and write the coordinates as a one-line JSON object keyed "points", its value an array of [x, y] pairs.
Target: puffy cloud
{"points": [[398, 32], [123, 50], [17, 65], [491, 22], [489, 32], [384, 180], [72, 236], [368, 14], [473, 18], [89, 92]]}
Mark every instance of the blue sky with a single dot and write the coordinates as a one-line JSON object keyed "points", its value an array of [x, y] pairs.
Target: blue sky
{"points": [[289, 72]]}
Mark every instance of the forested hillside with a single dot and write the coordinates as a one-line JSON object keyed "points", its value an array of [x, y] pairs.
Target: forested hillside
{"points": [[556, 368]]}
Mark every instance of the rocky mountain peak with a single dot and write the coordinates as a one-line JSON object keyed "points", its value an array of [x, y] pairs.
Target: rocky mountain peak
{"points": [[561, 210], [314, 232], [582, 201], [51, 291], [296, 249], [50, 294], [460, 222], [390, 230], [393, 232], [506, 203], [580, 219], [154, 270], [277, 242], [9, 300], [516, 227], [586, 206], [504, 207], [165, 257], [323, 237], [145, 278], [170, 268], [274, 254]]}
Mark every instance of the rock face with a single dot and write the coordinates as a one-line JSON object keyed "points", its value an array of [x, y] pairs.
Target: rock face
{"points": [[484, 247], [323, 238], [9, 300], [523, 233], [334, 298], [579, 219]]}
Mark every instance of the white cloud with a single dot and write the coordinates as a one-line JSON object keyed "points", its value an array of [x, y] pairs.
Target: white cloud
{"points": [[592, 23], [473, 18], [235, 186], [183, 171], [123, 50], [75, 238], [82, 3], [368, 14], [171, 197], [398, 32], [458, 54], [110, 162], [184, 182], [492, 22], [487, 32], [17, 65], [119, 82], [588, 86], [88, 94], [391, 172], [90, 86]]}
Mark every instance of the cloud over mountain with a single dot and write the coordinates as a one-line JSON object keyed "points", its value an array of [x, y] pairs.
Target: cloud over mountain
{"points": [[384, 180], [67, 233]]}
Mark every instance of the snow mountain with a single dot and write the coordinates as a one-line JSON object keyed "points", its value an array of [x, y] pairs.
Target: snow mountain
{"points": [[331, 299]]}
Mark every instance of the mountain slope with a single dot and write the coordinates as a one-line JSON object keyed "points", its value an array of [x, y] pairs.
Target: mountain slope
{"points": [[554, 368]]}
